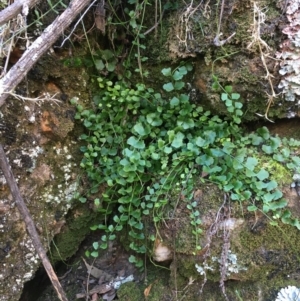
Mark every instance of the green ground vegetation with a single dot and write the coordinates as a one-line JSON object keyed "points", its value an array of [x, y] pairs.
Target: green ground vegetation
{"points": [[140, 144]]}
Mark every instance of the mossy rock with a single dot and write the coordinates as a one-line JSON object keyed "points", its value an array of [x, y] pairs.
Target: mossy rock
{"points": [[130, 291], [79, 221]]}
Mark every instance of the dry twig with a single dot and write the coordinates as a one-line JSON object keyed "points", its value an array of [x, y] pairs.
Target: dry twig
{"points": [[44, 97], [186, 33], [15, 8], [17, 73]]}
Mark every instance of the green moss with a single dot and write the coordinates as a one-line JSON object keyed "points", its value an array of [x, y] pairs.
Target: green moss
{"points": [[281, 174], [66, 243], [248, 77], [130, 291], [157, 287], [269, 253], [274, 253], [159, 292]]}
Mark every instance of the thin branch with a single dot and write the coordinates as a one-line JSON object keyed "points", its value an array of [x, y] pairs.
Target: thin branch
{"points": [[17, 73], [4, 165], [75, 26]]}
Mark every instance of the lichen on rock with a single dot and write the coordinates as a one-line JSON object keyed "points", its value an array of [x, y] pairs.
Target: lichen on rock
{"points": [[37, 138], [289, 53], [290, 293]]}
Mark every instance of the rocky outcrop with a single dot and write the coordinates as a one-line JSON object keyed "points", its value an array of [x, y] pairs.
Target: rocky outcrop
{"points": [[37, 138], [239, 249]]}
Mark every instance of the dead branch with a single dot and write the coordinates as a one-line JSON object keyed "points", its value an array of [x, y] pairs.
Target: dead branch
{"points": [[4, 165], [17, 73], [15, 8]]}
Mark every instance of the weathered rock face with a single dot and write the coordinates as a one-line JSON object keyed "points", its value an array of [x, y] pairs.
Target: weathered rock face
{"points": [[40, 139], [238, 44], [45, 158], [240, 250]]}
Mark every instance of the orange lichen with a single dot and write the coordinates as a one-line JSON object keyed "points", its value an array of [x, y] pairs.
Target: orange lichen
{"points": [[45, 122]]}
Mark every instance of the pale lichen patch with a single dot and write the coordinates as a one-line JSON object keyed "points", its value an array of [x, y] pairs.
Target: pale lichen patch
{"points": [[290, 55]]}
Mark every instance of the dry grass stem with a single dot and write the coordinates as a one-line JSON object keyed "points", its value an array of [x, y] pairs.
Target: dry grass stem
{"points": [[259, 18], [44, 97], [9, 35], [186, 33]]}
